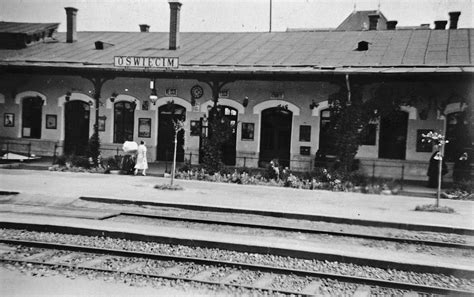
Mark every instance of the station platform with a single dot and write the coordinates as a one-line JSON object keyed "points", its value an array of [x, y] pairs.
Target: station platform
{"points": [[61, 188], [160, 169]]}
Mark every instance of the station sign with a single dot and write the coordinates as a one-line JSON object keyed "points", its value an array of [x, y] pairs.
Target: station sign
{"points": [[146, 62]]}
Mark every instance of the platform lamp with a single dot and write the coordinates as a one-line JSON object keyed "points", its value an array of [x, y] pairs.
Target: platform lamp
{"points": [[313, 105], [246, 101], [154, 95], [113, 96], [68, 96]]}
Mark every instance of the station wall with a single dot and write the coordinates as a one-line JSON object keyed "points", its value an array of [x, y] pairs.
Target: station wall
{"points": [[261, 94]]}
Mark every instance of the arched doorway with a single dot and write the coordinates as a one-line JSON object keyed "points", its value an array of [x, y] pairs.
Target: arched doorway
{"points": [[165, 149], [76, 138], [393, 136], [124, 117], [457, 133], [275, 135], [31, 117]]}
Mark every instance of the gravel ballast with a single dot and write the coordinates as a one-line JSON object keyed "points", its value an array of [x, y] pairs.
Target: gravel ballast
{"points": [[428, 279]]}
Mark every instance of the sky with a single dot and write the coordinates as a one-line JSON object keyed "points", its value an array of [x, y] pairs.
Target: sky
{"points": [[228, 15]]}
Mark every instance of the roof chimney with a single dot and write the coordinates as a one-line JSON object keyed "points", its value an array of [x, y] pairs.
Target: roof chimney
{"points": [[392, 25], [175, 8], [440, 25], [373, 20], [71, 33], [144, 28], [453, 19]]}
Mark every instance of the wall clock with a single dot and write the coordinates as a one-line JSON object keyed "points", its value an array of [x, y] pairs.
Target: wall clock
{"points": [[197, 92]]}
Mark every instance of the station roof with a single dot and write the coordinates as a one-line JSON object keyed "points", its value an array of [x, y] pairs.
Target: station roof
{"points": [[25, 28], [389, 51]]}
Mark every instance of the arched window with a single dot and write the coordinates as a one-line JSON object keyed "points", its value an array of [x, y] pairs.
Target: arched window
{"points": [[31, 117], [124, 115]]}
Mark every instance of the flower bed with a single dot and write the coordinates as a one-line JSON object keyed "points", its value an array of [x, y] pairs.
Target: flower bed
{"points": [[320, 179]]}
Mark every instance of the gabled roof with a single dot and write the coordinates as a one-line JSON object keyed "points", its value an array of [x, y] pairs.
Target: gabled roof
{"points": [[19, 35], [388, 51], [359, 20], [25, 28]]}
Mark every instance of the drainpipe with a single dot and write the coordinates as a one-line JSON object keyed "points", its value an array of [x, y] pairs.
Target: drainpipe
{"points": [[348, 85]]}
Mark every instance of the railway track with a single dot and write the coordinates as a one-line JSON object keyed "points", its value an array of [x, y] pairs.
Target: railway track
{"points": [[244, 276], [331, 275]]}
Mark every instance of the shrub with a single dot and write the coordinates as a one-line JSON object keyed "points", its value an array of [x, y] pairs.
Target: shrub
{"points": [[61, 160], [93, 149], [466, 186], [169, 187], [112, 163], [80, 161], [73, 161], [434, 208]]}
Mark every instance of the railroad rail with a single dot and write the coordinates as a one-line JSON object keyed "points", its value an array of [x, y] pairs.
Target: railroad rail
{"points": [[45, 255]]}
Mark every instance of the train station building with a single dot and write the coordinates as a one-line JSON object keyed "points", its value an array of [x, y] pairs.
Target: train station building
{"points": [[57, 88]]}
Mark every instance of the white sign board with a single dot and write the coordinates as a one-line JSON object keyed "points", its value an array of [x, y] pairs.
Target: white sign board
{"points": [[146, 62]]}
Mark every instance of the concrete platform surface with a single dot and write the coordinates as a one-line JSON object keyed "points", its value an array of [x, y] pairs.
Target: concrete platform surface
{"points": [[61, 188]]}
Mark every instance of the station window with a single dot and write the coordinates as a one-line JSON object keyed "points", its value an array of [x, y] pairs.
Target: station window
{"points": [[305, 133], [31, 117], [326, 135], [124, 114]]}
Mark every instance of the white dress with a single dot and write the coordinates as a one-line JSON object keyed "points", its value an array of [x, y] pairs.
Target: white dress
{"points": [[141, 158]]}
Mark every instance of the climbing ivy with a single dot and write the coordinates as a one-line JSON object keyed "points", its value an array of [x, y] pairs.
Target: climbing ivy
{"points": [[93, 150], [219, 133]]}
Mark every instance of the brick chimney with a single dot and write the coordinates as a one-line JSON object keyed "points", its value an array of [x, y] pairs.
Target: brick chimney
{"points": [[144, 28], [373, 20], [453, 19], [392, 25], [175, 8], [440, 25], [71, 33]]}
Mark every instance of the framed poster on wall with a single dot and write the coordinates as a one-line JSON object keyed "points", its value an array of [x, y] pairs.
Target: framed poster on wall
{"points": [[144, 127], [51, 121], [195, 128], [9, 120], [248, 131], [102, 123]]}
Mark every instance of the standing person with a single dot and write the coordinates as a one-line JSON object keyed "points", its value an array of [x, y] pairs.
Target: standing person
{"points": [[433, 169], [142, 163], [462, 168]]}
